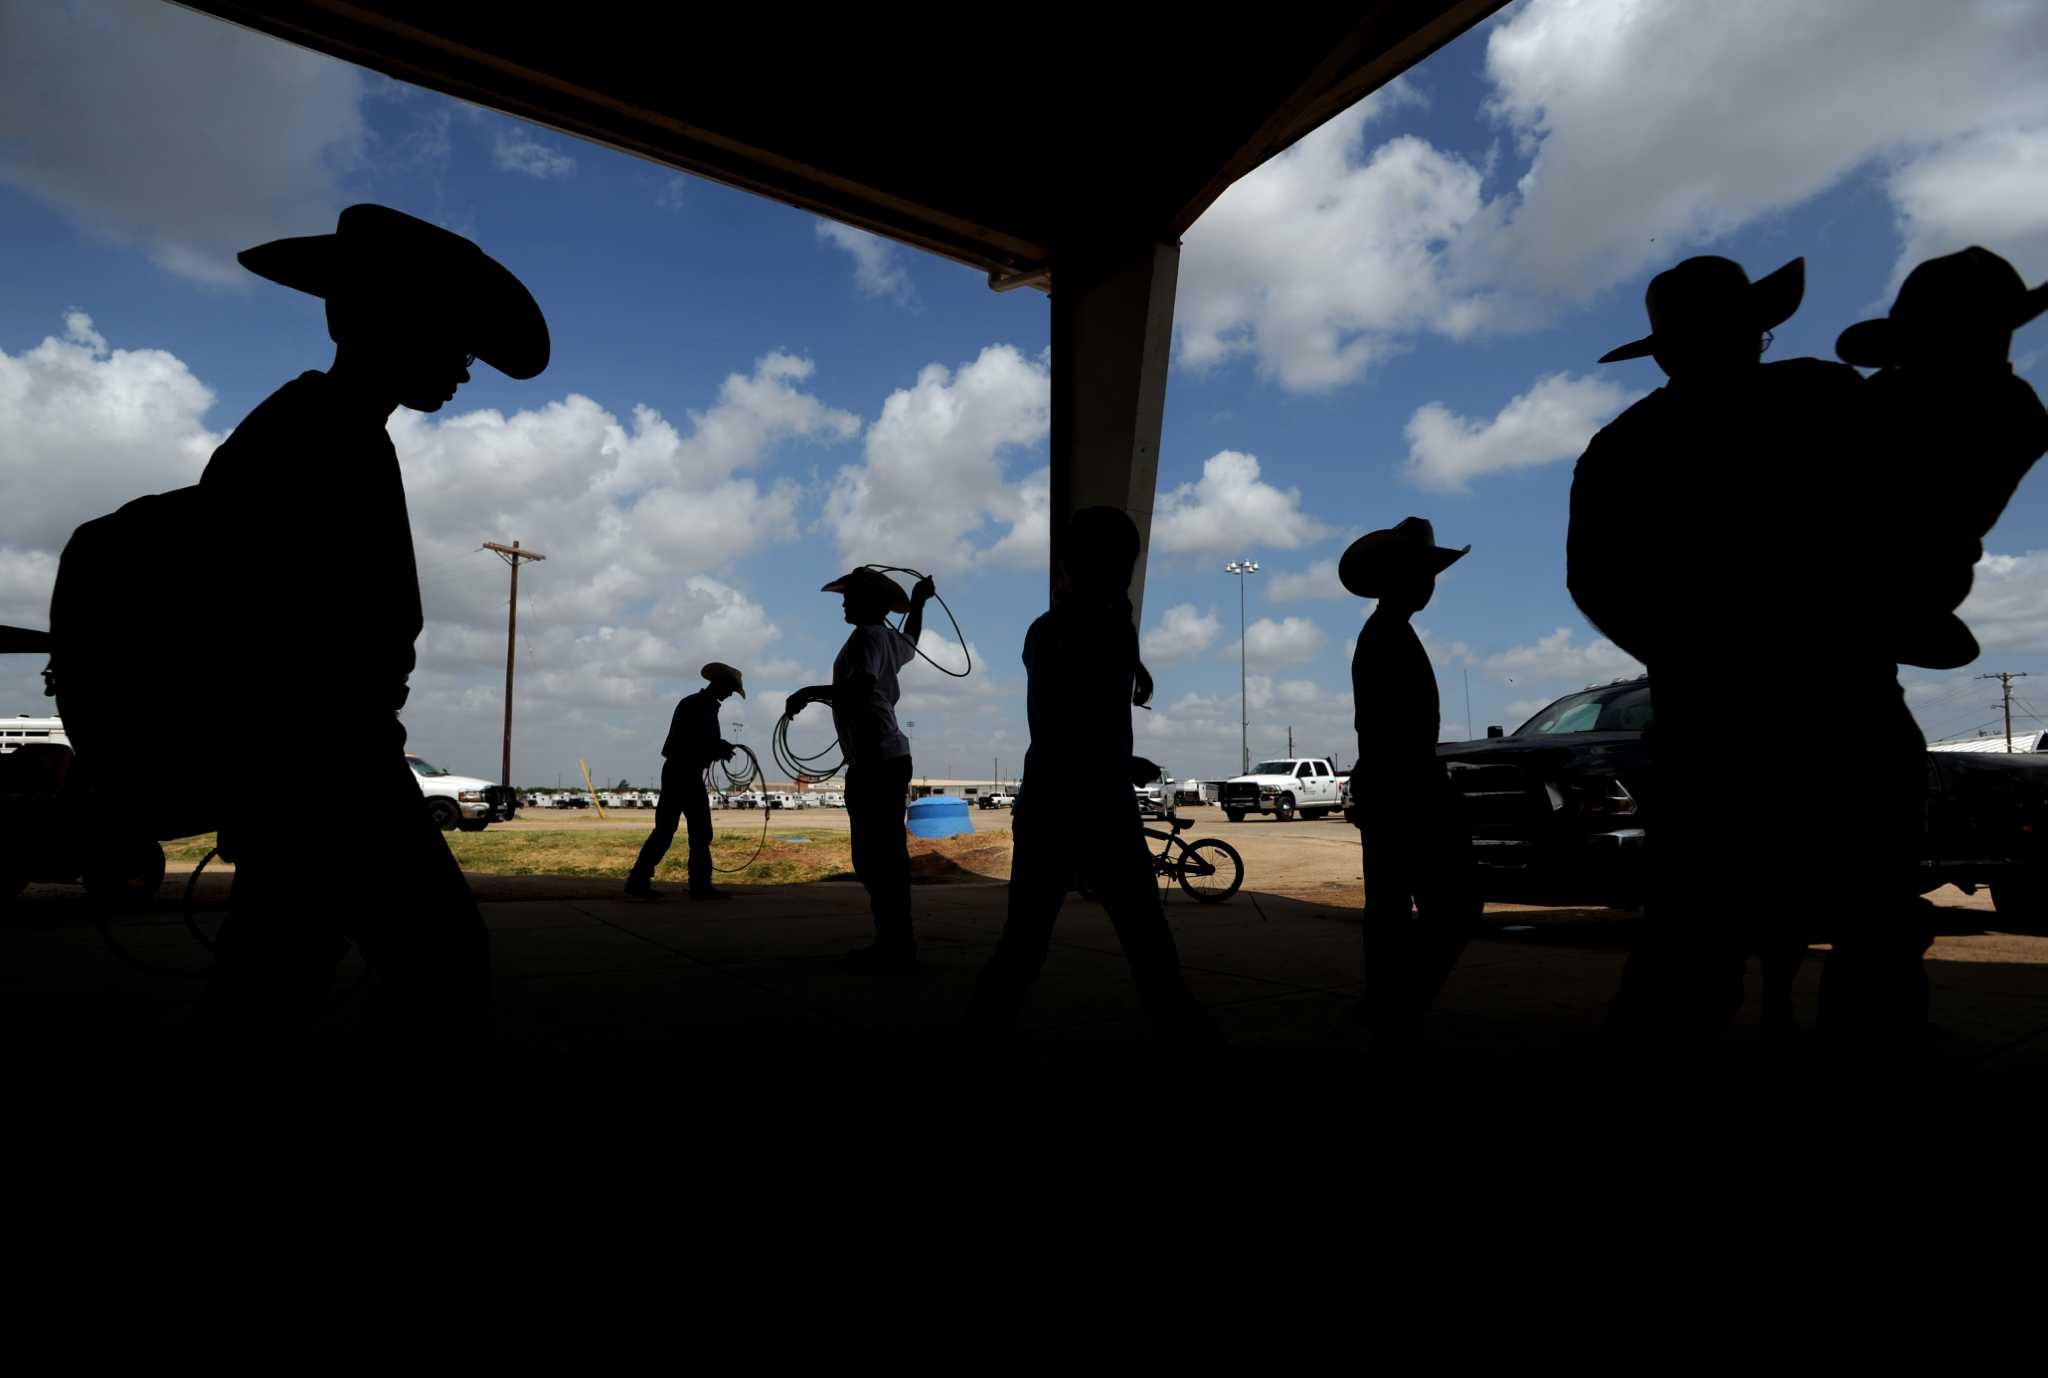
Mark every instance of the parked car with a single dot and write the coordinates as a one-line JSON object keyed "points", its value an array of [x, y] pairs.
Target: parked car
{"points": [[461, 801], [1308, 786], [1562, 808]]}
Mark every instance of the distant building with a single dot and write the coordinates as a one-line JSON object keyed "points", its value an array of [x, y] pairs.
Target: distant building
{"points": [[2021, 742]]}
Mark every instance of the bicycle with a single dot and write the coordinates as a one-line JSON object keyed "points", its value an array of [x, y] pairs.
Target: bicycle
{"points": [[1201, 867]]}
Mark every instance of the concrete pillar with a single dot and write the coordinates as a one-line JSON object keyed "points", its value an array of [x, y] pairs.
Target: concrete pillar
{"points": [[1112, 333]]}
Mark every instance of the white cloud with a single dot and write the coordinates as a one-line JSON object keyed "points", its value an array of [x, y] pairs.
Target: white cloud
{"points": [[2008, 605], [1319, 580], [1181, 633], [933, 474], [84, 428], [1649, 129], [1988, 187], [1559, 657], [517, 150], [151, 125], [1553, 420], [1230, 509], [1285, 642], [1319, 263], [878, 269]]}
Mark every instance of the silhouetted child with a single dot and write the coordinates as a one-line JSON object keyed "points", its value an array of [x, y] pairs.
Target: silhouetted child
{"points": [[1952, 431], [693, 744], [1421, 897], [863, 695], [323, 662], [1075, 809]]}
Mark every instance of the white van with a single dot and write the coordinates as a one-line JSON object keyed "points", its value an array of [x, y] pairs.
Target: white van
{"points": [[24, 730]]}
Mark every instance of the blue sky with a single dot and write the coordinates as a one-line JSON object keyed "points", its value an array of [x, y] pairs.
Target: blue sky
{"points": [[740, 403]]}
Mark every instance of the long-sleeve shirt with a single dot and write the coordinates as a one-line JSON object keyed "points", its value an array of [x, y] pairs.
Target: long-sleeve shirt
{"points": [[693, 738], [1395, 710]]}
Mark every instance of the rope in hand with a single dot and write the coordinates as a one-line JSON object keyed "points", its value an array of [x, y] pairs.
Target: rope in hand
{"points": [[958, 635], [721, 778]]}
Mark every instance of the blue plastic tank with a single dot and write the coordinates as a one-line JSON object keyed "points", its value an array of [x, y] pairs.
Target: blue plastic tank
{"points": [[939, 815]]}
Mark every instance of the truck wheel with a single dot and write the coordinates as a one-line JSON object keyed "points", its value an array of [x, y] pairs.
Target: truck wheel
{"points": [[444, 814], [1284, 810], [2021, 900], [1234, 815], [129, 881]]}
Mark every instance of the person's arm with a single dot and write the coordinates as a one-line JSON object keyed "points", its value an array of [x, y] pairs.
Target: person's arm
{"points": [[913, 625], [803, 698]]}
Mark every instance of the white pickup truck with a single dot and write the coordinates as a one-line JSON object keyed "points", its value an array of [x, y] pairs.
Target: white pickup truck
{"points": [[459, 801], [1283, 788]]}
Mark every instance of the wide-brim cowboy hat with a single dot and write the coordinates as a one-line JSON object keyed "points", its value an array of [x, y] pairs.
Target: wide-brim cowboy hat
{"points": [[1710, 289], [1404, 549], [1942, 643], [718, 670], [439, 272], [872, 584], [1945, 299]]}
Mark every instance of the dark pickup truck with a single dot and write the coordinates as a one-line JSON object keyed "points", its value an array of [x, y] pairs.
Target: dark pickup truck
{"points": [[1562, 808]]}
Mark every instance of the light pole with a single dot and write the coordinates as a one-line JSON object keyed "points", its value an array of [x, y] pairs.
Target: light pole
{"points": [[1242, 568]]}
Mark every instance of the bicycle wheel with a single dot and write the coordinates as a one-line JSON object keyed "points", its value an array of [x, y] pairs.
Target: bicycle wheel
{"points": [[1210, 870]]}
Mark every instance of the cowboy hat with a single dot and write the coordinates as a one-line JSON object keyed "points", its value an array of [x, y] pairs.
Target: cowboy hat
{"points": [[718, 670], [498, 318], [1973, 292], [1707, 292], [1407, 548], [872, 585]]}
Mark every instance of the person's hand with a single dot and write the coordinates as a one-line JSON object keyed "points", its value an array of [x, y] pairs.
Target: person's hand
{"points": [[795, 703], [730, 750], [923, 589]]}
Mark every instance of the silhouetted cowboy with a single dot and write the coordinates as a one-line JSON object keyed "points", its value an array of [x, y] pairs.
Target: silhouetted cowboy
{"points": [[863, 695], [1072, 814], [693, 744], [1708, 539], [1421, 899], [1951, 428], [316, 664]]}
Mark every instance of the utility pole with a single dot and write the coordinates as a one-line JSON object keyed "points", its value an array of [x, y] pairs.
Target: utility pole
{"points": [[511, 555], [2005, 679], [1290, 741], [1242, 569]]}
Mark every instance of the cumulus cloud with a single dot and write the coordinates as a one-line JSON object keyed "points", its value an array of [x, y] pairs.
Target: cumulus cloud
{"points": [[154, 126], [519, 150], [1319, 580], [2008, 605], [1553, 420], [1562, 657], [933, 476], [1287, 641], [1642, 131], [878, 269], [84, 428], [1181, 633], [1229, 509]]}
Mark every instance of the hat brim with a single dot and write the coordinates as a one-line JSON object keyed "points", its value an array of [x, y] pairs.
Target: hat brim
{"points": [[492, 312], [867, 581], [718, 672], [1773, 298], [1884, 342], [1945, 643], [1367, 564], [23, 641]]}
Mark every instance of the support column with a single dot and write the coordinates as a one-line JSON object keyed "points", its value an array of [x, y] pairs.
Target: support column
{"points": [[1112, 334]]}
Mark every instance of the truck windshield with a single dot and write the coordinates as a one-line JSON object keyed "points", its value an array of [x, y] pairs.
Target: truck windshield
{"points": [[424, 768], [1616, 708], [1273, 768]]}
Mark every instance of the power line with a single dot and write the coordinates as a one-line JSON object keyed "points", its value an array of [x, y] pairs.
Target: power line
{"points": [[2005, 679]]}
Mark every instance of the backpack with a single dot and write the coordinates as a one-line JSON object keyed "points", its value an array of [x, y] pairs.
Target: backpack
{"points": [[130, 662]]}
